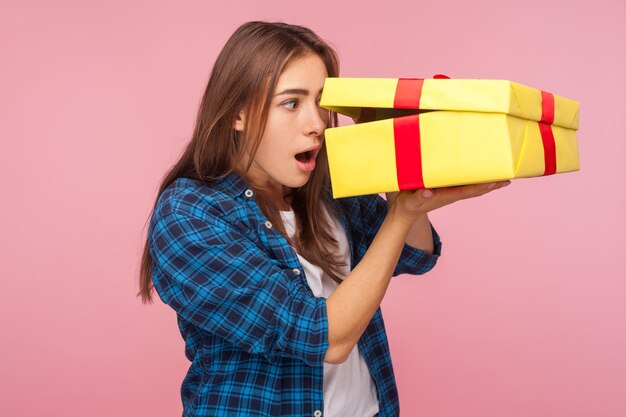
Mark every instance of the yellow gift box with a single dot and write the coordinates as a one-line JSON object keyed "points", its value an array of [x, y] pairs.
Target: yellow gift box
{"points": [[416, 133]]}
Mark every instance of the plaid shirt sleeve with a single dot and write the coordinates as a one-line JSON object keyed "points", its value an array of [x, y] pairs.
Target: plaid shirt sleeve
{"points": [[216, 278], [370, 213]]}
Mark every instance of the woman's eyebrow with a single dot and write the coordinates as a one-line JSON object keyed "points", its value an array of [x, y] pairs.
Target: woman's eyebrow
{"points": [[298, 91]]}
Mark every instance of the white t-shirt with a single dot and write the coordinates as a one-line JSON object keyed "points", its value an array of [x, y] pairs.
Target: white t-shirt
{"points": [[349, 389]]}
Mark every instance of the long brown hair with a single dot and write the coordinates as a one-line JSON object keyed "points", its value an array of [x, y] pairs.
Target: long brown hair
{"points": [[244, 76]]}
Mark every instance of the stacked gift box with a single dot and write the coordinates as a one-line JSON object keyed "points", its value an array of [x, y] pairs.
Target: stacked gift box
{"points": [[417, 133]]}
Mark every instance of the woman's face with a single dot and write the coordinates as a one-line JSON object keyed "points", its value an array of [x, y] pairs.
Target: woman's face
{"points": [[295, 125]]}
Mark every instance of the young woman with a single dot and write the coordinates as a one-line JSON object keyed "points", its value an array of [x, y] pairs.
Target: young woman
{"points": [[277, 286]]}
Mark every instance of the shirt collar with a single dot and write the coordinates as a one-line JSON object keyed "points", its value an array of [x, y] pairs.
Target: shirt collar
{"points": [[232, 185]]}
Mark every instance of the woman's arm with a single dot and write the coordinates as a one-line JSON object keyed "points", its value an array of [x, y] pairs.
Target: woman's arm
{"points": [[220, 281], [353, 304]]}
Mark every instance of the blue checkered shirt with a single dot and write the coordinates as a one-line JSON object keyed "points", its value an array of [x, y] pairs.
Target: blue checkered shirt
{"points": [[254, 332]]}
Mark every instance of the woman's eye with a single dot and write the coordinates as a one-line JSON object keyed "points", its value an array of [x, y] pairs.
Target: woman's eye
{"points": [[291, 104]]}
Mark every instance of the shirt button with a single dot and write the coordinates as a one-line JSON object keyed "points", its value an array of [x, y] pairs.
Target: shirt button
{"points": [[297, 272], [248, 193], [268, 224], [317, 413]]}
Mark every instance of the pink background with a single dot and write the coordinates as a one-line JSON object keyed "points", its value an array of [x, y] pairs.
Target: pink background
{"points": [[525, 315]]}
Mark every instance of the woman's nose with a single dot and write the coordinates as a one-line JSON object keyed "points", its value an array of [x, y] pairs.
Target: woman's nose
{"points": [[318, 119]]}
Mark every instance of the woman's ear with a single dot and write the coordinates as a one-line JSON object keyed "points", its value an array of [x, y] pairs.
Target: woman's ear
{"points": [[240, 121]]}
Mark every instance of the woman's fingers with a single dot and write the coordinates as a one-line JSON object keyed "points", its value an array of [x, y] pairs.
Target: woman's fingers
{"points": [[449, 195], [431, 199], [412, 204]]}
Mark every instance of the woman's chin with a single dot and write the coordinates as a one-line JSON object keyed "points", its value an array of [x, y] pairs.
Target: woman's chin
{"points": [[299, 180]]}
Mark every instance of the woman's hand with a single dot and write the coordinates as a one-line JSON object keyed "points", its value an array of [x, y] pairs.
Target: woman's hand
{"points": [[408, 206]]}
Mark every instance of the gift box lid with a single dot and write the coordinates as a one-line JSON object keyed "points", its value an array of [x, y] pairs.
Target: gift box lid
{"points": [[393, 97]]}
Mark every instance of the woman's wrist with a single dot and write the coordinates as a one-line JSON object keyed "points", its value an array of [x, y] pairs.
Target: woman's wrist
{"points": [[398, 212], [401, 223]]}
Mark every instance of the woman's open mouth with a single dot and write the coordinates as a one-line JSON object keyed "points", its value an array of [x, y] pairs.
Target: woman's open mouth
{"points": [[306, 160]]}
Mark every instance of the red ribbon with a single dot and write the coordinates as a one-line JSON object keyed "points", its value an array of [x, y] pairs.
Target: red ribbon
{"points": [[406, 132], [408, 93], [547, 136]]}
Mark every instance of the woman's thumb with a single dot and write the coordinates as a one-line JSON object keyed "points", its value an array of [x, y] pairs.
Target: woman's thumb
{"points": [[417, 199], [426, 193]]}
